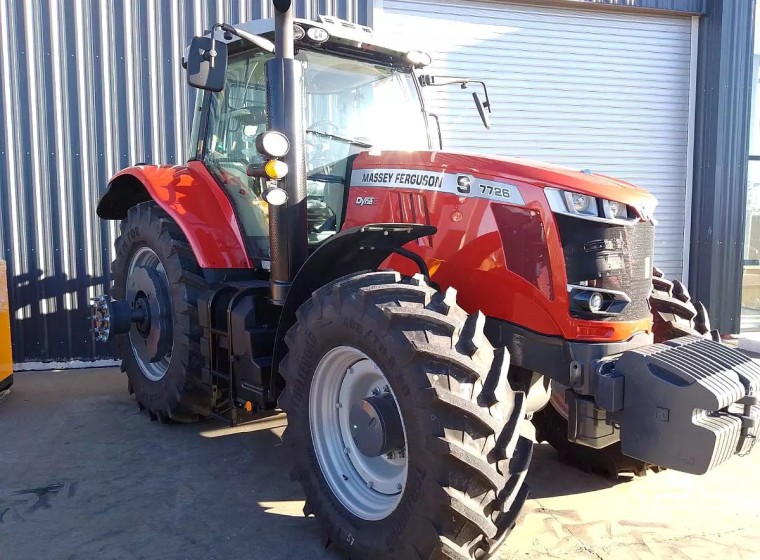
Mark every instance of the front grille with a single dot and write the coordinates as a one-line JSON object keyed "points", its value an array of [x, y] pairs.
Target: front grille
{"points": [[610, 257]]}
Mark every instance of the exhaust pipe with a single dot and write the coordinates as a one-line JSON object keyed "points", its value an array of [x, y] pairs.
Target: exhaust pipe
{"points": [[287, 223]]}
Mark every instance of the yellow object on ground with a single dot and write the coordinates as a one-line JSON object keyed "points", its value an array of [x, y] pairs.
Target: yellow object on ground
{"points": [[6, 359]]}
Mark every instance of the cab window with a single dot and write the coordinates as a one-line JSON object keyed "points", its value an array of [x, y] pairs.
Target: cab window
{"points": [[237, 115]]}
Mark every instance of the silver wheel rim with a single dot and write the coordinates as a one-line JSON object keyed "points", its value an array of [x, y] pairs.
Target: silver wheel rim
{"points": [[147, 258], [369, 487]]}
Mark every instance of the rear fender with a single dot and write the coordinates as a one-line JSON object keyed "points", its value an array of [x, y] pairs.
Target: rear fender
{"points": [[353, 250], [194, 200]]}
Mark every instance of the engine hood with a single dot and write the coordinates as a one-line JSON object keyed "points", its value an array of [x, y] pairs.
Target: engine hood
{"points": [[511, 169]]}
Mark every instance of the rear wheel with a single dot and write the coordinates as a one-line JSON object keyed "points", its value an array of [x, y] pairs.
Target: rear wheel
{"points": [[674, 315], [156, 272], [403, 425]]}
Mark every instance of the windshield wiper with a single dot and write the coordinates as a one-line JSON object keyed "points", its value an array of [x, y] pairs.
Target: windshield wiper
{"points": [[339, 138]]}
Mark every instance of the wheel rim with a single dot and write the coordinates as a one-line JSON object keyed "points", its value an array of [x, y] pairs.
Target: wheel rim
{"points": [[147, 288], [369, 487]]}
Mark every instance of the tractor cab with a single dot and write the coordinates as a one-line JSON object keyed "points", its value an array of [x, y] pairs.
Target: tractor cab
{"points": [[356, 95]]}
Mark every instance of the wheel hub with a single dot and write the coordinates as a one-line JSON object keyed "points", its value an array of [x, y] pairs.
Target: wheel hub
{"points": [[376, 425], [147, 293]]}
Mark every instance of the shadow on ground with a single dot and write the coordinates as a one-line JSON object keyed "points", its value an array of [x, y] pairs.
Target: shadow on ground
{"points": [[84, 474], [550, 478]]}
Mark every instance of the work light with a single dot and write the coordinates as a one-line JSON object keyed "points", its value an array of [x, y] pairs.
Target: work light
{"points": [[275, 196], [272, 144], [317, 34], [419, 58]]}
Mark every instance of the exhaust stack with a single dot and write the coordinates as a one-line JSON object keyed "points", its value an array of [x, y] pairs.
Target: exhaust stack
{"points": [[287, 223]]}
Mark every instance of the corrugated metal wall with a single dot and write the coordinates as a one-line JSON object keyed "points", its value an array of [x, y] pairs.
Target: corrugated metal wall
{"points": [[88, 87]]}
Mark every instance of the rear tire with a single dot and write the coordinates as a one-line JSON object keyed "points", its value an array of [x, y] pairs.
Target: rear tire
{"points": [[465, 458], [170, 389], [673, 315]]}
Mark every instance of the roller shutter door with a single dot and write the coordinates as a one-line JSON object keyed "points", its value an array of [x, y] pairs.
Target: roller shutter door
{"points": [[588, 89]]}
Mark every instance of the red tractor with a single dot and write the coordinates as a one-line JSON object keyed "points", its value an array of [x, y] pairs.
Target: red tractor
{"points": [[409, 308]]}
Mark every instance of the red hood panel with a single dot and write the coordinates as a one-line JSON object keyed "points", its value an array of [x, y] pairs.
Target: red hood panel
{"points": [[509, 169]]}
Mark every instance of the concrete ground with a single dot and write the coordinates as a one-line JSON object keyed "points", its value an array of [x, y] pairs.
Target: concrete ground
{"points": [[84, 475]]}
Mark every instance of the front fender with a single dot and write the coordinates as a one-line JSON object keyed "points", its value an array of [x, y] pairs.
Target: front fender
{"points": [[194, 200], [353, 250]]}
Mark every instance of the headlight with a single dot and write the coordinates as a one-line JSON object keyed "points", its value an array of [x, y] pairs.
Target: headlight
{"points": [[577, 203], [595, 302], [586, 206], [581, 202], [592, 303]]}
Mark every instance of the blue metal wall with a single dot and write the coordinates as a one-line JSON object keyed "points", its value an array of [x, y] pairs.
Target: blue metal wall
{"points": [[88, 87]]}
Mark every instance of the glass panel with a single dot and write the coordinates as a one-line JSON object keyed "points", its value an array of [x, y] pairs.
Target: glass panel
{"points": [[237, 115], [350, 106], [192, 149]]}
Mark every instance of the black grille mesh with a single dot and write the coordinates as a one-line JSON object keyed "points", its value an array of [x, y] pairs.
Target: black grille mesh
{"points": [[611, 257]]}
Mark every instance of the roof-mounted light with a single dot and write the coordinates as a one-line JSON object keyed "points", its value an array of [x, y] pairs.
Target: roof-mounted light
{"points": [[418, 59], [317, 34]]}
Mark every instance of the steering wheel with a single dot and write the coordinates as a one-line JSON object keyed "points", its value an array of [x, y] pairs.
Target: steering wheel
{"points": [[321, 126], [320, 217]]}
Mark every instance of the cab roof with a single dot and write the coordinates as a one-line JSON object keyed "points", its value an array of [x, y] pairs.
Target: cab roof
{"points": [[344, 35]]}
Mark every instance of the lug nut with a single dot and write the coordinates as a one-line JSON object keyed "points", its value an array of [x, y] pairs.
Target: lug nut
{"points": [[370, 484]]}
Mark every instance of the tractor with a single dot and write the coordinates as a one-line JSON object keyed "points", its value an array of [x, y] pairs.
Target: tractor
{"points": [[410, 309]]}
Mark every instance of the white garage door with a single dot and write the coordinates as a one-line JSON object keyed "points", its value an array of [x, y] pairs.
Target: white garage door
{"points": [[588, 89]]}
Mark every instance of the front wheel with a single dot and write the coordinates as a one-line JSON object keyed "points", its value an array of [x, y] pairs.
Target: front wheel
{"points": [[403, 426]]}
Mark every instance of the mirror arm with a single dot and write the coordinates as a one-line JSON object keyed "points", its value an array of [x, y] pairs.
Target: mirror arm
{"points": [[260, 42]]}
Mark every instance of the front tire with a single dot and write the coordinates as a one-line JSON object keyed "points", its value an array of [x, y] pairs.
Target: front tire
{"points": [[155, 266], [464, 460]]}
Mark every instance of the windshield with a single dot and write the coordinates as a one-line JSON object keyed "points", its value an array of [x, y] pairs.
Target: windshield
{"points": [[362, 104]]}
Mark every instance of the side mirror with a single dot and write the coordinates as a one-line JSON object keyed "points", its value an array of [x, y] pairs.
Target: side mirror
{"points": [[207, 64], [481, 107]]}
